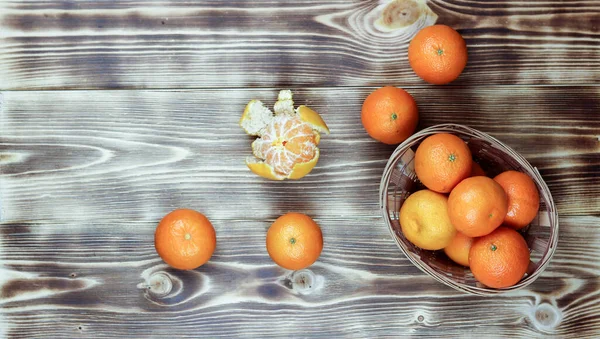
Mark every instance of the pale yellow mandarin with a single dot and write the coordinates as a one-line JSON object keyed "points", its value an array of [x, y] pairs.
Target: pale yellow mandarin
{"points": [[424, 220]]}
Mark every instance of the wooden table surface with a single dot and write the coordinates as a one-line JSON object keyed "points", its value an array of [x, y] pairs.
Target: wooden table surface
{"points": [[113, 113]]}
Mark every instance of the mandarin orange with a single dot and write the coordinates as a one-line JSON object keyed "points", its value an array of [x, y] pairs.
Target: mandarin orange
{"points": [[389, 115], [441, 161], [458, 249], [288, 139], [294, 241], [499, 259], [185, 239], [523, 198], [477, 206], [476, 170], [437, 54]]}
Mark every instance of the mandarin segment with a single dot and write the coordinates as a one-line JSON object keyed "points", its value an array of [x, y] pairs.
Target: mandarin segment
{"points": [[302, 169], [261, 169], [286, 142], [288, 139]]}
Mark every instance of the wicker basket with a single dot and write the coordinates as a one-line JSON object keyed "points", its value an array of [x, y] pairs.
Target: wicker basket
{"points": [[399, 180]]}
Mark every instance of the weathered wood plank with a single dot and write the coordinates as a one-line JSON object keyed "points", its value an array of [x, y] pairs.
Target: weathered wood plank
{"points": [[81, 155], [86, 175], [101, 280], [174, 44]]}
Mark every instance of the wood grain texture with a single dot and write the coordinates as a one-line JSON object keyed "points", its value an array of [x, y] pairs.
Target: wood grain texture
{"points": [[64, 280], [178, 44], [79, 154], [86, 175]]}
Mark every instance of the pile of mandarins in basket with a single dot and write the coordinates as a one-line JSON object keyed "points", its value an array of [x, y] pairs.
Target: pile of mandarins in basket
{"points": [[472, 217]]}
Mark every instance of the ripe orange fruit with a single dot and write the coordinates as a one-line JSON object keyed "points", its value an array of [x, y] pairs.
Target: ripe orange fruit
{"points": [[477, 206], [476, 170], [442, 160], [185, 239], [437, 54], [389, 115], [287, 143], [523, 198], [424, 220], [499, 259], [458, 249], [294, 241]]}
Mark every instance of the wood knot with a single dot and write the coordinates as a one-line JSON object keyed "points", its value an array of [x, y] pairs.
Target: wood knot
{"points": [[164, 286], [404, 15], [305, 282], [10, 158], [546, 317], [159, 284], [400, 13], [382, 25]]}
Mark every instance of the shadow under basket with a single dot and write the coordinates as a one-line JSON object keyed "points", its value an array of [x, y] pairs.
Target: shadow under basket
{"points": [[399, 181]]}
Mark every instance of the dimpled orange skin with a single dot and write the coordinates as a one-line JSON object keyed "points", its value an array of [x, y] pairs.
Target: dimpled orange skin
{"points": [[437, 54], [441, 161], [294, 241], [458, 249], [389, 115], [523, 198], [499, 259], [477, 206], [185, 239]]}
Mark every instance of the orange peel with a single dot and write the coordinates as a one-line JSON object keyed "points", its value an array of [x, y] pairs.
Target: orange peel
{"points": [[286, 147], [313, 118]]}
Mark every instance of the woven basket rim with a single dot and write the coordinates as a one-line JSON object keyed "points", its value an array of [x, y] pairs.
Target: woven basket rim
{"points": [[530, 170]]}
